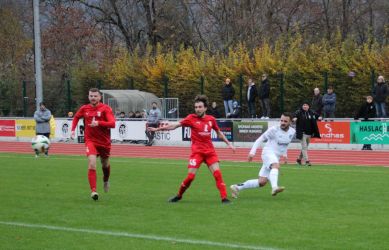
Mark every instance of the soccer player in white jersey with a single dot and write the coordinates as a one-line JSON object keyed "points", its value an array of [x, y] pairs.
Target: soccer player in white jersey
{"points": [[277, 139]]}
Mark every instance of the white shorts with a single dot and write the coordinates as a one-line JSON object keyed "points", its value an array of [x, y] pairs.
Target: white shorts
{"points": [[267, 160]]}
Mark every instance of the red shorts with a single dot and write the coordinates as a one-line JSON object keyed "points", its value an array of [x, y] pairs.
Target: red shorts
{"points": [[103, 151], [197, 158]]}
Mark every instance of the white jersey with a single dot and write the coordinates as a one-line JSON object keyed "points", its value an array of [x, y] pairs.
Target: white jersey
{"points": [[277, 141]]}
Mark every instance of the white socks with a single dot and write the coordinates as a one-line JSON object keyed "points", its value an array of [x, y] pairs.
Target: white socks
{"points": [[248, 184], [273, 178]]}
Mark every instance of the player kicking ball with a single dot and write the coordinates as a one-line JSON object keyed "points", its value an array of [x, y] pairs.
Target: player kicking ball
{"points": [[202, 148], [277, 140]]}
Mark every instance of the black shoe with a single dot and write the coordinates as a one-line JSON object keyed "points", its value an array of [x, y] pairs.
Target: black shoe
{"points": [[175, 199], [308, 163], [298, 161], [226, 201]]}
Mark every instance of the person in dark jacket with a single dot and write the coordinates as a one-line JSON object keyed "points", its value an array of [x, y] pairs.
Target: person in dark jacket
{"points": [[228, 93], [317, 101], [252, 94], [380, 93], [366, 111], [306, 128], [214, 111], [329, 103], [264, 97]]}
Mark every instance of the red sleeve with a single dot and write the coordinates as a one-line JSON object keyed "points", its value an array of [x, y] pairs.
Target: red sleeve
{"points": [[110, 119], [77, 116], [214, 124], [186, 122]]}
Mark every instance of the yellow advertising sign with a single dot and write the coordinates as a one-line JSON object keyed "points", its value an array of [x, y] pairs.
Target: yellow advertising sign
{"points": [[25, 128]]}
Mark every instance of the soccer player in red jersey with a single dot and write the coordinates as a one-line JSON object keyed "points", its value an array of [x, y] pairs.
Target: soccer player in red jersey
{"points": [[202, 147], [98, 120]]}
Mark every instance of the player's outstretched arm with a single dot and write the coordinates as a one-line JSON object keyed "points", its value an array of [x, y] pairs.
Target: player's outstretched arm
{"points": [[223, 137], [170, 126]]}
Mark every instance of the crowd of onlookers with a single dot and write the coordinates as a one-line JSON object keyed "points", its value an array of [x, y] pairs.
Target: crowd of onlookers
{"points": [[131, 115], [323, 105]]}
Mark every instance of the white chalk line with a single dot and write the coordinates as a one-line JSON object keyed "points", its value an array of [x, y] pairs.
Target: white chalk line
{"points": [[136, 236]]}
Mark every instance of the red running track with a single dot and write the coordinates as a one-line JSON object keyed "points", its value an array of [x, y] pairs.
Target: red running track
{"points": [[322, 157]]}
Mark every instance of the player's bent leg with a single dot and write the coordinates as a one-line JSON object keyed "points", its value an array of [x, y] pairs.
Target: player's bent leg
{"points": [[217, 174], [185, 185], [106, 167], [273, 178]]}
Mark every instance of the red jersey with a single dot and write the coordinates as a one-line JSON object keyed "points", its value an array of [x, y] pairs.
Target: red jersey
{"points": [[102, 113], [201, 131]]}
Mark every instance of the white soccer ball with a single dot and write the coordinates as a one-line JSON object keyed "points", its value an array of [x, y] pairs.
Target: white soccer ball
{"points": [[40, 143]]}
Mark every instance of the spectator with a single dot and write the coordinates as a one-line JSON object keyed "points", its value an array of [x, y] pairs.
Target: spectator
{"points": [[214, 111], [380, 93], [122, 115], [228, 93], [138, 115], [131, 114], [317, 102], [329, 103], [152, 121], [117, 112], [235, 110], [42, 118], [143, 114], [252, 94], [70, 115], [306, 128], [366, 111], [264, 97]]}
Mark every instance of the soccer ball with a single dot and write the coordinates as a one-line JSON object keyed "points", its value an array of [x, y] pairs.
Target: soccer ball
{"points": [[40, 143]]}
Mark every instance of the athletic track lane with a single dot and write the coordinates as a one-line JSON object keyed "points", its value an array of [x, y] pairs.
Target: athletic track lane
{"points": [[322, 157]]}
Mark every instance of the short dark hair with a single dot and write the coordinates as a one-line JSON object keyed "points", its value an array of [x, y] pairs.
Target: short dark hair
{"points": [[42, 103], [288, 114], [202, 98], [94, 90]]}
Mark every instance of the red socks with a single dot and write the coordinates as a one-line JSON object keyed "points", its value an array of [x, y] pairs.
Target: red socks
{"points": [[106, 172], [92, 179], [185, 184], [220, 184]]}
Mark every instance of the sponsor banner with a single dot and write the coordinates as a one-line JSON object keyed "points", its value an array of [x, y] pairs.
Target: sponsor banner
{"points": [[168, 136], [129, 130], [248, 131], [25, 128], [135, 131], [333, 132], [225, 128], [63, 128], [369, 133], [7, 128]]}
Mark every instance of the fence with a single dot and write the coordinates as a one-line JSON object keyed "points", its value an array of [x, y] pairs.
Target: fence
{"points": [[288, 91]]}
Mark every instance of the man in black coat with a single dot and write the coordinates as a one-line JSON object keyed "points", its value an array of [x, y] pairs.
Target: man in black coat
{"points": [[306, 128], [228, 93], [252, 94], [366, 111]]}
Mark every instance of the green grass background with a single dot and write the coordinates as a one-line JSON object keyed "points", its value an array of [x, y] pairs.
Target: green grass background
{"points": [[323, 207]]}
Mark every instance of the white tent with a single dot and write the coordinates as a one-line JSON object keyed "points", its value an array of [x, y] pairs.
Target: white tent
{"points": [[129, 100]]}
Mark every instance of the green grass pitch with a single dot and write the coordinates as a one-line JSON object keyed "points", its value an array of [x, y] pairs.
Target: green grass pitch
{"points": [[45, 204]]}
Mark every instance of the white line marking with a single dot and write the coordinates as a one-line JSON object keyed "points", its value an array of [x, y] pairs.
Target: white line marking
{"points": [[137, 236]]}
